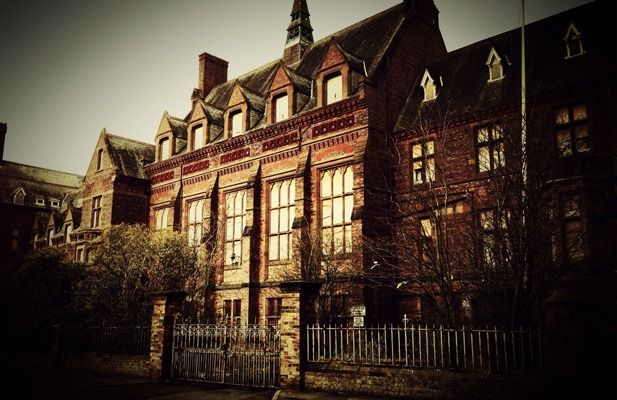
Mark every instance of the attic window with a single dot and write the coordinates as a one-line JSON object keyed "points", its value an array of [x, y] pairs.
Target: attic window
{"points": [[495, 67], [99, 160], [574, 42], [429, 86], [235, 124], [164, 149], [281, 108], [334, 88], [39, 201], [19, 197], [55, 203], [198, 137]]}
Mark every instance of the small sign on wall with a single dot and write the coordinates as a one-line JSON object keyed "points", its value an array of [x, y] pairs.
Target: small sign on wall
{"points": [[358, 311], [358, 322]]}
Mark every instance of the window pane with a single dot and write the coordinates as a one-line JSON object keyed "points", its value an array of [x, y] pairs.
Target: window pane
{"points": [[337, 183], [430, 169], [337, 211], [562, 116], [338, 240], [495, 70], [198, 138], [274, 195], [574, 241], [416, 151], [326, 241], [199, 211], [348, 239], [283, 246], [236, 124], [239, 204], [238, 251], [430, 147], [237, 228], [348, 207], [273, 251], [498, 157], [427, 227], [292, 192], [581, 134], [579, 112], [284, 193], [326, 189], [334, 89], [484, 159], [229, 209], [563, 143], [486, 220], [418, 172], [326, 213], [348, 180], [292, 216], [229, 248], [483, 135], [284, 220], [497, 132], [164, 148], [274, 221], [281, 107], [229, 231]]}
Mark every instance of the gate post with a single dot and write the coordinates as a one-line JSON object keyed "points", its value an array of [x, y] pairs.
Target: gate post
{"points": [[297, 309], [165, 307]]}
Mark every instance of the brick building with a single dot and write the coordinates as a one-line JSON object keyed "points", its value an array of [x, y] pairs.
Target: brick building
{"points": [[347, 160]]}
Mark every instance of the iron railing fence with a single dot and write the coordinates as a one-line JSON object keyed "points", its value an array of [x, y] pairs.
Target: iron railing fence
{"points": [[230, 354], [108, 339], [437, 347]]}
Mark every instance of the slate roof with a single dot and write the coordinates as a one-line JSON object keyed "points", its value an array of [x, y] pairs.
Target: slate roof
{"points": [[464, 72], [37, 182], [129, 156]]}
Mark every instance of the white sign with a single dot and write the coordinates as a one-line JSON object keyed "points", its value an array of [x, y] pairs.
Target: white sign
{"points": [[358, 311], [358, 322]]}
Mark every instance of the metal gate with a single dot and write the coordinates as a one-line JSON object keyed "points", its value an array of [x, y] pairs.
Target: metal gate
{"points": [[227, 354]]}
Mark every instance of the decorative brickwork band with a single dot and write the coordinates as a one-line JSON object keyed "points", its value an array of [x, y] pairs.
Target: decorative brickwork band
{"points": [[165, 307]]}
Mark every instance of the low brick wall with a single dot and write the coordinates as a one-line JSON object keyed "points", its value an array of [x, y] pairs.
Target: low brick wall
{"points": [[117, 364], [419, 384]]}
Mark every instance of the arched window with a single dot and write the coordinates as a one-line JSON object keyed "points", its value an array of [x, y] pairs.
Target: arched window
{"points": [[282, 213], [336, 208], [334, 88]]}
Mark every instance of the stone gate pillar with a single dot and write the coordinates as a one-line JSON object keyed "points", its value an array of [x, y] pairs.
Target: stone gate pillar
{"points": [[165, 307], [297, 309]]}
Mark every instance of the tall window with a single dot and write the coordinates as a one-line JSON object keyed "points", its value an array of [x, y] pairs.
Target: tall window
{"points": [[233, 311], [195, 222], [574, 42], [99, 160], [161, 216], [423, 162], [164, 149], [96, 212], [573, 228], [489, 143], [50, 235], [495, 70], [68, 229], [571, 130], [426, 246], [235, 125], [282, 212], [488, 239], [334, 88], [15, 239], [235, 210], [273, 310], [198, 137], [336, 208], [281, 108]]}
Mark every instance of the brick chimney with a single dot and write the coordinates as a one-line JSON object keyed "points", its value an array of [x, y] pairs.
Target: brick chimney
{"points": [[212, 72], [2, 136]]}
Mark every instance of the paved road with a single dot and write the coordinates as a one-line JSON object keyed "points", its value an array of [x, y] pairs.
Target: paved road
{"points": [[45, 384]]}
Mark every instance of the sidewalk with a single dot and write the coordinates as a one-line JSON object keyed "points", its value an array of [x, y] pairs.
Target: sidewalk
{"points": [[46, 384]]}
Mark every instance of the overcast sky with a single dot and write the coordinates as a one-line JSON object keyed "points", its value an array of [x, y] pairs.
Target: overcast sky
{"points": [[68, 68]]}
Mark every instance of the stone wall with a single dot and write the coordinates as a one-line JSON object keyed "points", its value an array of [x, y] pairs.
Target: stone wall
{"points": [[420, 384], [117, 364]]}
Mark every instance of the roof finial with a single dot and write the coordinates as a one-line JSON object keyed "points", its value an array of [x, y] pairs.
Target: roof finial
{"points": [[299, 32]]}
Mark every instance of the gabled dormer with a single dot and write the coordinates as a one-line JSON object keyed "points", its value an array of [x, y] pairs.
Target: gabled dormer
{"points": [[429, 86], [244, 110], [170, 137], [495, 65], [205, 124], [287, 94], [19, 196], [100, 158], [574, 42], [334, 77]]}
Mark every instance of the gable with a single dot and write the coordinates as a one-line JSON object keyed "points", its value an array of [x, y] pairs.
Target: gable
{"points": [[280, 80], [197, 113], [493, 56], [100, 144], [164, 126], [237, 96], [334, 56], [571, 32]]}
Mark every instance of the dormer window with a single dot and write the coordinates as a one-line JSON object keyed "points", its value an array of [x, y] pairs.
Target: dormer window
{"points": [[55, 203], [574, 42], [235, 124], [334, 88], [429, 86], [99, 160], [19, 197], [495, 66], [198, 137], [281, 108], [40, 201], [164, 149]]}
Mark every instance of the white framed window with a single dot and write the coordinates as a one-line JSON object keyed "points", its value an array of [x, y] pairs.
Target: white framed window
{"points": [[50, 235], [164, 149], [235, 124], [495, 66], [334, 88], [428, 86], [572, 130], [198, 137], [489, 148], [19, 197], [195, 222], [574, 42], [96, 211], [161, 217], [423, 162], [235, 212], [282, 213], [281, 108], [40, 201], [55, 203], [336, 209]]}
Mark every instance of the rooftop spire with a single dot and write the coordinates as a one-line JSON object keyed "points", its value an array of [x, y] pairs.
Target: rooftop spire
{"points": [[299, 32]]}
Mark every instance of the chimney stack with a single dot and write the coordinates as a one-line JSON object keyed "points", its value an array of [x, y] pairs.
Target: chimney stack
{"points": [[212, 72], [2, 136]]}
